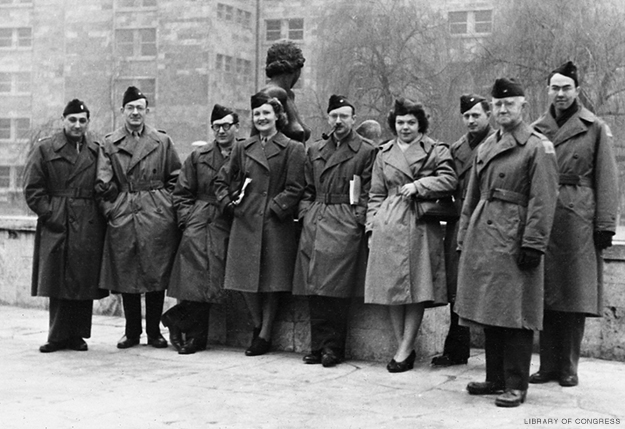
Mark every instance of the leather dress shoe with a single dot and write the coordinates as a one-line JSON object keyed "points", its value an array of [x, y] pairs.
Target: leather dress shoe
{"points": [[53, 346], [157, 342], [329, 359], [403, 366], [541, 377], [175, 338], [127, 342], [484, 388], [447, 360], [568, 380], [312, 358], [191, 346], [511, 398], [78, 344], [259, 346]]}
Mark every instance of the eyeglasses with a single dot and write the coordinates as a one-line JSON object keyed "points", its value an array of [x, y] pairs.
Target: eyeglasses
{"points": [[226, 127], [73, 120], [130, 108]]}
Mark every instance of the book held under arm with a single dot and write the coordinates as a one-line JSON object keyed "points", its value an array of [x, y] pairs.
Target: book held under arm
{"points": [[355, 186]]}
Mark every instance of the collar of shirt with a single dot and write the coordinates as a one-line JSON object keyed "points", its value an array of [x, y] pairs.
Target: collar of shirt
{"points": [[136, 133]]}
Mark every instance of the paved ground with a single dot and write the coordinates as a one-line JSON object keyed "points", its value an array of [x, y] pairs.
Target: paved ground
{"points": [[143, 387]]}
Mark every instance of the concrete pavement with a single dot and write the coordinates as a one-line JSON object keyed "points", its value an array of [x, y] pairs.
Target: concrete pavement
{"points": [[143, 387]]}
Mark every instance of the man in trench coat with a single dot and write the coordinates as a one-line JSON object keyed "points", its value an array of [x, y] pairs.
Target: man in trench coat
{"points": [[142, 236], [332, 246], [584, 224], [59, 184], [504, 230], [475, 111]]}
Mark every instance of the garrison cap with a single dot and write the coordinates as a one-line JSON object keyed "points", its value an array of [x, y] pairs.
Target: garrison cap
{"points": [[133, 93], [259, 99], [567, 69], [467, 101], [507, 87], [338, 101], [75, 106], [220, 112]]}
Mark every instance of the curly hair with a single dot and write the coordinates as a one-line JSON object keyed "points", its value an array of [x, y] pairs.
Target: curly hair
{"points": [[281, 118], [282, 58], [404, 106]]}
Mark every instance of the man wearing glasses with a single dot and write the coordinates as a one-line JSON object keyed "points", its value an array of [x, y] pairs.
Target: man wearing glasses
{"points": [[137, 171], [60, 177], [198, 275]]}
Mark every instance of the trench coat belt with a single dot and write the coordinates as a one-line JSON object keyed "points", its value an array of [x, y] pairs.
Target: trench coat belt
{"points": [[575, 180], [79, 193], [332, 198], [210, 199], [145, 185], [505, 195]]}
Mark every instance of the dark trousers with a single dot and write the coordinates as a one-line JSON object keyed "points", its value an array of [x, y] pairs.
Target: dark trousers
{"points": [[190, 318], [69, 319], [508, 356], [561, 341], [458, 341], [132, 312], [328, 323]]}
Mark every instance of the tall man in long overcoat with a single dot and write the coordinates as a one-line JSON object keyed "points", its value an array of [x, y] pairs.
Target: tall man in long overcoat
{"points": [[504, 230], [475, 111], [142, 234], [59, 188], [332, 246], [584, 223]]}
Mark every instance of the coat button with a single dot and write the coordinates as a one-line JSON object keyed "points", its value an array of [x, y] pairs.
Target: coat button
{"points": [[489, 222], [571, 205], [264, 194], [576, 156], [502, 175]]}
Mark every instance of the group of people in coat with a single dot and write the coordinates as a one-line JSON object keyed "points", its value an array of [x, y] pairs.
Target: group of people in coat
{"points": [[270, 214]]}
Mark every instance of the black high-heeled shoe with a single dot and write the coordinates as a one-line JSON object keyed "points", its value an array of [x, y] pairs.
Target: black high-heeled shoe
{"points": [[403, 366]]}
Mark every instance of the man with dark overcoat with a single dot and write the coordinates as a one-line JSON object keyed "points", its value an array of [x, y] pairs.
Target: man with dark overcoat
{"points": [[197, 278], [142, 236], [59, 188], [584, 224], [332, 245], [475, 111], [504, 230]]}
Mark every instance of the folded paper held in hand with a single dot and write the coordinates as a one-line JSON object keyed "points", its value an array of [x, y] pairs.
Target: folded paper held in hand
{"points": [[355, 186], [242, 194]]}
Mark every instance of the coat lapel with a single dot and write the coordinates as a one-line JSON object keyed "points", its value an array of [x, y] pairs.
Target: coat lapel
{"points": [[276, 145], [574, 126], [395, 158], [64, 149], [346, 151], [254, 150], [493, 148], [86, 158], [145, 145]]}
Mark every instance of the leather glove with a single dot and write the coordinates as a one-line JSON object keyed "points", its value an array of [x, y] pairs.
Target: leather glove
{"points": [[528, 258], [603, 239]]}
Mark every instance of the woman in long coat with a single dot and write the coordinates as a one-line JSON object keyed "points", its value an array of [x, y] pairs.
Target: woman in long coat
{"points": [[406, 269], [263, 238]]}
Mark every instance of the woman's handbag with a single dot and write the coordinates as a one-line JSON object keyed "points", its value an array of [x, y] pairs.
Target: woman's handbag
{"points": [[441, 209]]}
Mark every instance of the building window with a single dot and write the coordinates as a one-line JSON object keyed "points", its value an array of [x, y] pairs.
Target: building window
{"points": [[470, 22], [5, 176], [132, 4], [274, 29], [136, 42], [146, 85], [296, 29], [16, 37], [14, 128], [13, 2], [15, 82], [228, 64]]}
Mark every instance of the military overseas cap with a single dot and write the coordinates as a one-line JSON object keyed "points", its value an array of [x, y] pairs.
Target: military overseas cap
{"points": [[133, 93], [567, 69], [467, 101], [405, 106], [259, 99], [337, 101], [75, 106], [507, 87], [220, 112]]}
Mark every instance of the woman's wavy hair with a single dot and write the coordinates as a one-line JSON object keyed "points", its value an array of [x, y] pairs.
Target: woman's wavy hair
{"points": [[281, 118], [282, 58], [404, 106]]}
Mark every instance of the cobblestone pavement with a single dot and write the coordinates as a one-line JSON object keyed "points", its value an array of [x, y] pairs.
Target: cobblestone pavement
{"points": [[143, 387]]}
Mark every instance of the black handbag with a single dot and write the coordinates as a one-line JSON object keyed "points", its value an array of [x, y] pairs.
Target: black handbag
{"points": [[441, 209]]}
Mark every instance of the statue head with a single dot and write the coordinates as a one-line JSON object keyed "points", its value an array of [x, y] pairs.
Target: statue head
{"points": [[283, 57]]}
